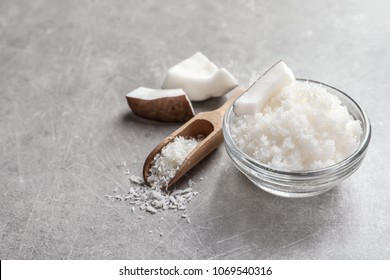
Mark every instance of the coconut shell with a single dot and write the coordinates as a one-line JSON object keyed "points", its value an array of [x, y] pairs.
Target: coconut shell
{"points": [[164, 109]]}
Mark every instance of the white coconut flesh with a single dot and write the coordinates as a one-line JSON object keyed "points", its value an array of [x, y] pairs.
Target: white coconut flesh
{"points": [[199, 78], [269, 84]]}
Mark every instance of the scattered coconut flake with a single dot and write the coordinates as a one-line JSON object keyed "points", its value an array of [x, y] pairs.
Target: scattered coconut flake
{"points": [[191, 183], [117, 197], [158, 204], [177, 192], [156, 195], [180, 199], [154, 199], [181, 207], [136, 179], [172, 199], [151, 209]]}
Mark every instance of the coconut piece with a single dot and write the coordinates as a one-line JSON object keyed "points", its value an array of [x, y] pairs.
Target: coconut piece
{"points": [[270, 83], [151, 209], [199, 78], [160, 105], [136, 179]]}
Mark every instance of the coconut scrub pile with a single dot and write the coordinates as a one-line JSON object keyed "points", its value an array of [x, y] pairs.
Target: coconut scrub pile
{"points": [[295, 125]]}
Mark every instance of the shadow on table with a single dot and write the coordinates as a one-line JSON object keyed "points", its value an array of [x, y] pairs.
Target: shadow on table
{"points": [[275, 227], [129, 118]]}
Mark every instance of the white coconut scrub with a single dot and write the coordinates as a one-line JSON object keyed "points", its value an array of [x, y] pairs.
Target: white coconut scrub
{"points": [[303, 127]]}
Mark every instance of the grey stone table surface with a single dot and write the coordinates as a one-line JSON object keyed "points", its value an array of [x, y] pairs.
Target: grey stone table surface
{"points": [[67, 135]]}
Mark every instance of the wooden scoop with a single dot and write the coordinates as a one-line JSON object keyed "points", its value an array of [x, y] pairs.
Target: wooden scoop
{"points": [[208, 124]]}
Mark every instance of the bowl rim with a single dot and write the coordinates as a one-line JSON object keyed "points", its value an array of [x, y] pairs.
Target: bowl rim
{"points": [[345, 163]]}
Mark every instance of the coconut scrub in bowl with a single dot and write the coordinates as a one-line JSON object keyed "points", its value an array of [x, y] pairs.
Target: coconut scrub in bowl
{"points": [[294, 137]]}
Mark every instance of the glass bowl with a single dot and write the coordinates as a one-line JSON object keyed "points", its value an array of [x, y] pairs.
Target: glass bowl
{"points": [[300, 183]]}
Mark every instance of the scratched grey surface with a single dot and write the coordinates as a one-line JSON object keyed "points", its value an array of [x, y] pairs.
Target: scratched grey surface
{"points": [[66, 130]]}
